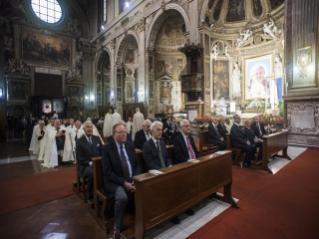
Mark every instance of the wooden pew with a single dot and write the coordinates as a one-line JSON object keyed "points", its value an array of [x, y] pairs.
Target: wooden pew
{"points": [[98, 183], [79, 186], [272, 144], [204, 147], [156, 197], [170, 152], [236, 152]]}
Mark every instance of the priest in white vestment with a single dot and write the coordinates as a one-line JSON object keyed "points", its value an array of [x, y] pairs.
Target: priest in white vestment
{"points": [[51, 151], [129, 126], [49, 127], [79, 132], [40, 132], [116, 117], [107, 126], [138, 120], [33, 143], [69, 146]]}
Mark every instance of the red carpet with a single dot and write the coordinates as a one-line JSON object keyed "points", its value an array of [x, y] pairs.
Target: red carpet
{"points": [[28, 191], [284, 205]]}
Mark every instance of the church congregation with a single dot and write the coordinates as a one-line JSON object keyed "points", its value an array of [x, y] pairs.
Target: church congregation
{"points": [[159, 119]]}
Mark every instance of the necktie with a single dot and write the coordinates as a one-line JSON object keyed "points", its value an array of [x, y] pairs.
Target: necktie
{"points": [[261, 134], [125, 165], [190, 148], [160, 154]]}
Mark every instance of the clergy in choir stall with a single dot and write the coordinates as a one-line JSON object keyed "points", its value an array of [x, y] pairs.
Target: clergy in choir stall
{"points": [[49, 127], [54, 145], [34, 138], [258, 128], [184, 146], [107, 126], [69, 145], [143, 135], [222, 128], [71, 124], [214, 136], [39, 137], [87, 147], [228, 124], [240, 140], [138, 119], [79, 132], [116, 117], [253, 139], [95, 130], [118, 182], [154, 150], [64, 123], [129, 126]]}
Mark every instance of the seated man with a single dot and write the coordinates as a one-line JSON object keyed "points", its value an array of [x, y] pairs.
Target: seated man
{"points": [[239, 140], [174, 127], [214, 137], [258, 128], [253, 138], [154, 150], [222, 128], [87, 147], [184, 146], [143, 135], [120, 164], [110, 139]]}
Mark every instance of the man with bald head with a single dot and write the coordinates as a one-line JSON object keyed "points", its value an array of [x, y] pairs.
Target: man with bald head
{"points": [[120, 164], [214, 136], [87, 147]]}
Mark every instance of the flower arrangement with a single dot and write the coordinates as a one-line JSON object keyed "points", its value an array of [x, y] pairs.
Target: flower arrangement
{"points": [[257, 104]]}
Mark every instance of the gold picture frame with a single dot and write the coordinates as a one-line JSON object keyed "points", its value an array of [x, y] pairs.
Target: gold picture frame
{"points": [[303, 56]]}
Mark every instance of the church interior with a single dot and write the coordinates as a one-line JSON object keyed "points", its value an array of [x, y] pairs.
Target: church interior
{"points": [[194, 68]]}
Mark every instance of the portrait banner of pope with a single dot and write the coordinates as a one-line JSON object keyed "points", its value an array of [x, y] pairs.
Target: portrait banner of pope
{"points": [[257, 77]]}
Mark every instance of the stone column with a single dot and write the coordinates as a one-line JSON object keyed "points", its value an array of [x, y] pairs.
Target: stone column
{"points": [[141, 62], [2, 79], [193, 21]]}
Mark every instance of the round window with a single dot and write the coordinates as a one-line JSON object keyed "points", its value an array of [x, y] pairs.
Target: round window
{"points": [[48, 11]]}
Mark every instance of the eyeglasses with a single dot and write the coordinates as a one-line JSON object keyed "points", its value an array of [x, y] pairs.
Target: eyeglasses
{"points": [[186, 126], [120, 132]]}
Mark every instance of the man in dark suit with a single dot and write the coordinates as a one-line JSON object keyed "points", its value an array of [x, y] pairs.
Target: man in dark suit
{"points": [[214, 136], [154, 150], [88, 147], [239, 140], [253, 139], [184, 146], [120, 164], [167, 131], [258, 128], [143, 135], [222, 128]]}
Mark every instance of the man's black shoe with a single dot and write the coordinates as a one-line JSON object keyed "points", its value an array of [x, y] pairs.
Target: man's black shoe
{"points": [[190, 212], [175, 220]]}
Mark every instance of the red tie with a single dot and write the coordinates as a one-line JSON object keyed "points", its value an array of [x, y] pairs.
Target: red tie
{"points": [[190, 148]]}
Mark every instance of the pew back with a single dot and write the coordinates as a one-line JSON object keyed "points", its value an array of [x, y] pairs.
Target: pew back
{"points": [[158, 198], [204, 147]]}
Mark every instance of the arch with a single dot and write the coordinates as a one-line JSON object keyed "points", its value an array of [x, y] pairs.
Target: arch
{"points": [[122, 45], [104, 50], [160, 17]]}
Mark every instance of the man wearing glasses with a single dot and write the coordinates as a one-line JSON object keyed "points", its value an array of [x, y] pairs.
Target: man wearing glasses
{"points": [[184, 146], [120, 164]]}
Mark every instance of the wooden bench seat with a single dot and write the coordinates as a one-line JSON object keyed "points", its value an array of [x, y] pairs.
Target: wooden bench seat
{"points": [[235, 152], [204, 147], [79, 186]]}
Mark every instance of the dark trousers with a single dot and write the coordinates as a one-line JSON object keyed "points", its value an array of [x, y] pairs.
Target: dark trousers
{"points": [[249, 150], [260, 153], [221, 144], [87, 172]]}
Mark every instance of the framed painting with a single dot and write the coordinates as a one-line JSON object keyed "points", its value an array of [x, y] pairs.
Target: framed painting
{"points": [[258, 73], [44, 49], [58, 105], [220, 80], [304, 56], [75, 94], [119, 93]]}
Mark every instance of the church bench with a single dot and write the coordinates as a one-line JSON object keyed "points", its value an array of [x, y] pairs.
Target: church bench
{"points": [[98, 184], [79, 186], [272, 144], [200, 180], [204, 147], [236, 152]]}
